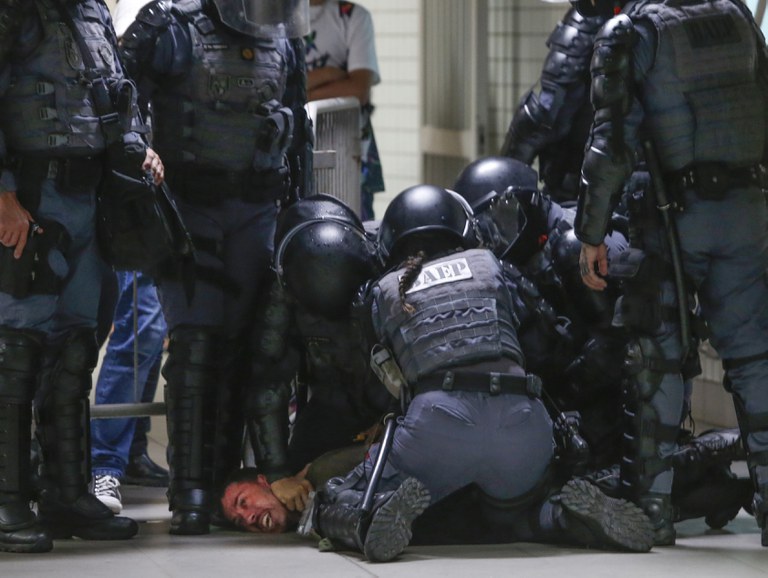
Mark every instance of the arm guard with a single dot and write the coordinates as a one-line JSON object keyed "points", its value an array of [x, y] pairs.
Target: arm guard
{"points": [[538, 121], [608, 160], [303, 143], [139, 40]]}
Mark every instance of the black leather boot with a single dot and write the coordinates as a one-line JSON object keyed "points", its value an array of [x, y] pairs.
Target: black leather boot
{"points": [[192, 373], [592, 518], [19, 361], [66, 507], [385, 532], [658, 508], [717, 446], [715, 494], [143, 471]]}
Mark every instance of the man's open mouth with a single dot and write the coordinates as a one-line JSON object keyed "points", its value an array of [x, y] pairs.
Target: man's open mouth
{"points": [[266, 523]]}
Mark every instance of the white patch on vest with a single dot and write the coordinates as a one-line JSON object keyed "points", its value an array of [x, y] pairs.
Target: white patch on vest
{"points": [[440, 273], [211, 46]]}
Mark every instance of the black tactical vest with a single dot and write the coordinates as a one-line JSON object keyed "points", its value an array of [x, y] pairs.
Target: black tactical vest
{"points": [[463, 314]]}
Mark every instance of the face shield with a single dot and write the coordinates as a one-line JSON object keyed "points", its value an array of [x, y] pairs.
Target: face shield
{"points": [[266, 18], [501, 220]]}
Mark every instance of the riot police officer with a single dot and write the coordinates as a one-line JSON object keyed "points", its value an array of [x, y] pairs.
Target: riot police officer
{"points": [[60, 76], [445, 338], [568, 340], [686, 83], [226, 83], [310, 334], [529, 229], [553, 118]]}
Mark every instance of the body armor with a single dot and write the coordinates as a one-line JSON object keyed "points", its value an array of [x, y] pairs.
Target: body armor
{"points": [[706, 56], [553, 119], [50, 85], [234, 87], [463, 314]]}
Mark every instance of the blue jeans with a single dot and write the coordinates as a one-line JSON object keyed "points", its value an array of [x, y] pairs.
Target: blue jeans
{"points": [[111, 438]]}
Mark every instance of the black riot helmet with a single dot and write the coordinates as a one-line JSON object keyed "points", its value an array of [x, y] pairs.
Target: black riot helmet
{"points": [[316, 206], [324, 258], [425, 209], [604, 8], [495, 188], [482, 180], [265, 18]]}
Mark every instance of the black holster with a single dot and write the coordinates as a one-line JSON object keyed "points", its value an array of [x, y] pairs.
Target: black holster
{"points": [[32, 274], [139, 227]]}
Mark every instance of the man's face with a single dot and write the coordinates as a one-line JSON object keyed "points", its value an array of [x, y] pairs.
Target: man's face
{"points": [[252, 506]]}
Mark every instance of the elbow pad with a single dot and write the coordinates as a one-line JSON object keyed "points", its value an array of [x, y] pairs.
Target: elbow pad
{"points": [[529, 131], [570, 48], [612, 69]]}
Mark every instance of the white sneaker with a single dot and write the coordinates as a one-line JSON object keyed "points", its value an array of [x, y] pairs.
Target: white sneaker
{"points": [[107, 489]]}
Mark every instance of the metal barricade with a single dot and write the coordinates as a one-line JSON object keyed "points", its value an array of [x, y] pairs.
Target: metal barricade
{"points": [[338, 149]]}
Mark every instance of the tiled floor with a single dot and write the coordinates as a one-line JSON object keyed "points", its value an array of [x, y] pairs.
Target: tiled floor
{"points": [[700, 553]]}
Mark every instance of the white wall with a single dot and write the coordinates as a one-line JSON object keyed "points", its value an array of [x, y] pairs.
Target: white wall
{"points": [[396, 119], [518, 32]]}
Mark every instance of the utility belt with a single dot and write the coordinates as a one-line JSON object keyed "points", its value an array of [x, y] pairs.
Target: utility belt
{"points": [[711, 181], [491, 382], [211, 187], [66, 172]]}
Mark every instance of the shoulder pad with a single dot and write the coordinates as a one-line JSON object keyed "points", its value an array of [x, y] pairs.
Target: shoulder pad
{"points": [[587, 24], [618, 30], [575, 36], [156, 14], [192, 11]]}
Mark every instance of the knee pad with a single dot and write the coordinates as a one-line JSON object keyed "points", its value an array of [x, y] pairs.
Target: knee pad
{"points": [[75, 360], [20, 357], [193, 356], [643, 431]]}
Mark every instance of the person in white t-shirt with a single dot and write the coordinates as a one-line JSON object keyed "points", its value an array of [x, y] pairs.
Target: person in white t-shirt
{"points": [[341, 61]]}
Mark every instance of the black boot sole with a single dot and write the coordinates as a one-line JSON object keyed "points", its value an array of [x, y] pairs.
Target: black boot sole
{"points": [[614, 523], [390, 529]]}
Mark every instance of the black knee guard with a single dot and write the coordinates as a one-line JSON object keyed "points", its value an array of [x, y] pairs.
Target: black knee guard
{"points": [[20, 353], [230, 413], [757, 458], [267, 423], [62, 411], [192, 373], [643, 430]]}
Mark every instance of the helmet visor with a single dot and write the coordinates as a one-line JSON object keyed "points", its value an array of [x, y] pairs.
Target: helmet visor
{"points": [[266, 18], [502, 221]]}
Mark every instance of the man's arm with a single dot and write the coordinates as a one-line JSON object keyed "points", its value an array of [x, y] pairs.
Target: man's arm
{"points": [[330, 82], [293, 491]]}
